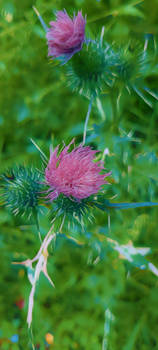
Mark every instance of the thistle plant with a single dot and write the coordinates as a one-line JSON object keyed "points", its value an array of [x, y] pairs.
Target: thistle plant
{"points": [[72, 185]]}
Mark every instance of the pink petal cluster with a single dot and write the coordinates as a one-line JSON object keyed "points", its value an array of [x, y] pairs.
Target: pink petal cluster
{"points": [[66, 35], [74, 173]]}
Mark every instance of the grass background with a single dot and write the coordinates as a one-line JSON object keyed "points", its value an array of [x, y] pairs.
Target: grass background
{"points": [[112, 304]]}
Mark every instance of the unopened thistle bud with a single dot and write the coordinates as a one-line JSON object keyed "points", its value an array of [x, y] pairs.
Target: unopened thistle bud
{"points": [[21, 190], [128, 65], [90, 70]]}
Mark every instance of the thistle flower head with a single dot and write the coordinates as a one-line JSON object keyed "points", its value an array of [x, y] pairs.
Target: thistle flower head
{"points": [[66, 35], [21, 188], [74, 173]]}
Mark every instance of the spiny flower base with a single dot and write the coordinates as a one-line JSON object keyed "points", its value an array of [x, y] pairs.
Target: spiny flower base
{"points": [[69, 213]]}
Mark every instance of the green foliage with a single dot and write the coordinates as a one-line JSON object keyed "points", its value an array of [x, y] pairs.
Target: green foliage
{"points": [[102, 299]]}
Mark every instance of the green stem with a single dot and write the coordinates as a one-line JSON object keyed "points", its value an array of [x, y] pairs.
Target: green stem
{"points": [[35, 214], [87, 119]]}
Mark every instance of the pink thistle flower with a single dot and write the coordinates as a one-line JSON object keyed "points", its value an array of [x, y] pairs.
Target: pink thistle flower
{"points": [[74, 173], [66, 35]]}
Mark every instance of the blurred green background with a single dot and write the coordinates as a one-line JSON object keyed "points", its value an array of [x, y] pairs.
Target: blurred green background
{"points": [[106, 303]]}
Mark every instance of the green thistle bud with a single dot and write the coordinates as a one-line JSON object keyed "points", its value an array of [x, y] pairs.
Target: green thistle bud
{"points": [[128, 66], [89, 70], [129, 69], [21, 190]]}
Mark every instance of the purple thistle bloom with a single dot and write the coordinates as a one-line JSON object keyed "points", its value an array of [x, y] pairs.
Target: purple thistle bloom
{"points": [[66, 35], [74, 173]]}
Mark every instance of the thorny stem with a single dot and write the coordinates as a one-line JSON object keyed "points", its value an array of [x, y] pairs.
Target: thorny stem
{"points": [[87, 119], [41, 266]]}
